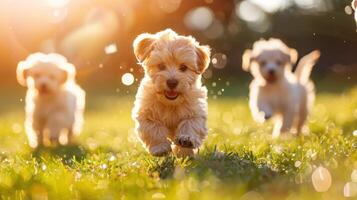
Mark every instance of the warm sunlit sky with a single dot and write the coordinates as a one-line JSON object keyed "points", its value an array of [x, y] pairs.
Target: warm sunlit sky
{"points": [[96, 35]]}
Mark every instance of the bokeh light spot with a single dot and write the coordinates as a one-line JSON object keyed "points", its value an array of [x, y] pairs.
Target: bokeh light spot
{"points": [[219, 60], [169, 6], [199, 18], [350, 189], [348, 10], [110, 49], [127, 79], [321, 179]]}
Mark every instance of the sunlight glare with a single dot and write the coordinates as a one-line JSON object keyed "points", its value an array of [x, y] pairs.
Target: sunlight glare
{"points": [[57, 3]]}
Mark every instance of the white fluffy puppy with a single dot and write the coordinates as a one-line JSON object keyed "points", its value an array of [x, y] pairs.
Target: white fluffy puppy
{"points": [[354, 6], [54, 102], [276, 91], [171, 103]]}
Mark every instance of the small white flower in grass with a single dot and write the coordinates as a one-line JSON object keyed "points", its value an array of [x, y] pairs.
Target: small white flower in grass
{"points": [[111, 48], [297, 164], [321, 179], [214, 84], [112, 158], [104, 166], [43, 167], [127, 79], [354, 176], [77, 176], [350, 189], [158, 195]]}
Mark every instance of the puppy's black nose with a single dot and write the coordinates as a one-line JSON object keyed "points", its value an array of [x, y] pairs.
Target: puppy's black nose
{"points": [[172, 83]]}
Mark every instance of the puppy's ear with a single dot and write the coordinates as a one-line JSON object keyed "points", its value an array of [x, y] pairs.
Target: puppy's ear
{"points": [[246, 59], [293, 56], [68, 72], [203, 57], [354, 4], [143, 45], [22, 73]]}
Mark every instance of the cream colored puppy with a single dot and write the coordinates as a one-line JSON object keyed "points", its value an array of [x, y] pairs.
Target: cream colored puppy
{"points": [[54, 102], [276, 91], [171, 103], [354, 6]]}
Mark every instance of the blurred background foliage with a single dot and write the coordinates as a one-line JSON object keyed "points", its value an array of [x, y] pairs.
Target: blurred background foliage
{"points": [[97, 35]]}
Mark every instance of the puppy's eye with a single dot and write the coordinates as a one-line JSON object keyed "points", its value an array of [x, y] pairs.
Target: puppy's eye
{"points": [[161, 67], [262, 63], [183, 68], [278, 62]]}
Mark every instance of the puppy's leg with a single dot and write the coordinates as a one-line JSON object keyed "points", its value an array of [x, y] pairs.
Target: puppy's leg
{"points": [[182, 151], [154, 137], [34, 132], [287, 120], [191, 132], [302, 116], [56, 124], [259, 107]]}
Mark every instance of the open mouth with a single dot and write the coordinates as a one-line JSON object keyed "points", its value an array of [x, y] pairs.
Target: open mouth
{"points": [[171, 95], [44, 91], [270, 78]]}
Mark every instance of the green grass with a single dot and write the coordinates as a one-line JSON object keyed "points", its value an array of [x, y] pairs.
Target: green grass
{"points": [[238, 160]]}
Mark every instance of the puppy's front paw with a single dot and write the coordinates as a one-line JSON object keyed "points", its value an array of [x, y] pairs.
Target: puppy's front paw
{"points": [[182, 152], [160, 150], [267, 116], [188, 141]]}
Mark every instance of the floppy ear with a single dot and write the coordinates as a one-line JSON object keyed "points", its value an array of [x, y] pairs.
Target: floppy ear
{"points": [[22, 73], [68, 72], [143, 45], [246, 59], [293, 56], [203, 57], [354, 4]]}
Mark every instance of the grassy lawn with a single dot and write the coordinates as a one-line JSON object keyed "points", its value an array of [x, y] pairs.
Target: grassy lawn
{"points": [[239, 160]]}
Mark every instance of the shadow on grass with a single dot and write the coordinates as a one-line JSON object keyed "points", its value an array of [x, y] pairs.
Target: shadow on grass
{"points": [[228, 166], [66, 153]]}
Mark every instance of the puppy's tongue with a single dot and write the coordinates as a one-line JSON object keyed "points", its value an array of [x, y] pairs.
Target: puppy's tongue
{"points": [[171, 94]]}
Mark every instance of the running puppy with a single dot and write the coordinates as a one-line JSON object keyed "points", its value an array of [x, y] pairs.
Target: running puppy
{"points": [[171, 105], [54, 102], [276, 91]]}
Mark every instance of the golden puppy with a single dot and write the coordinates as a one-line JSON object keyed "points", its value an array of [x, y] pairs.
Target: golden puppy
{"points": [[276, 91], [54, 102], [171, 103]]}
